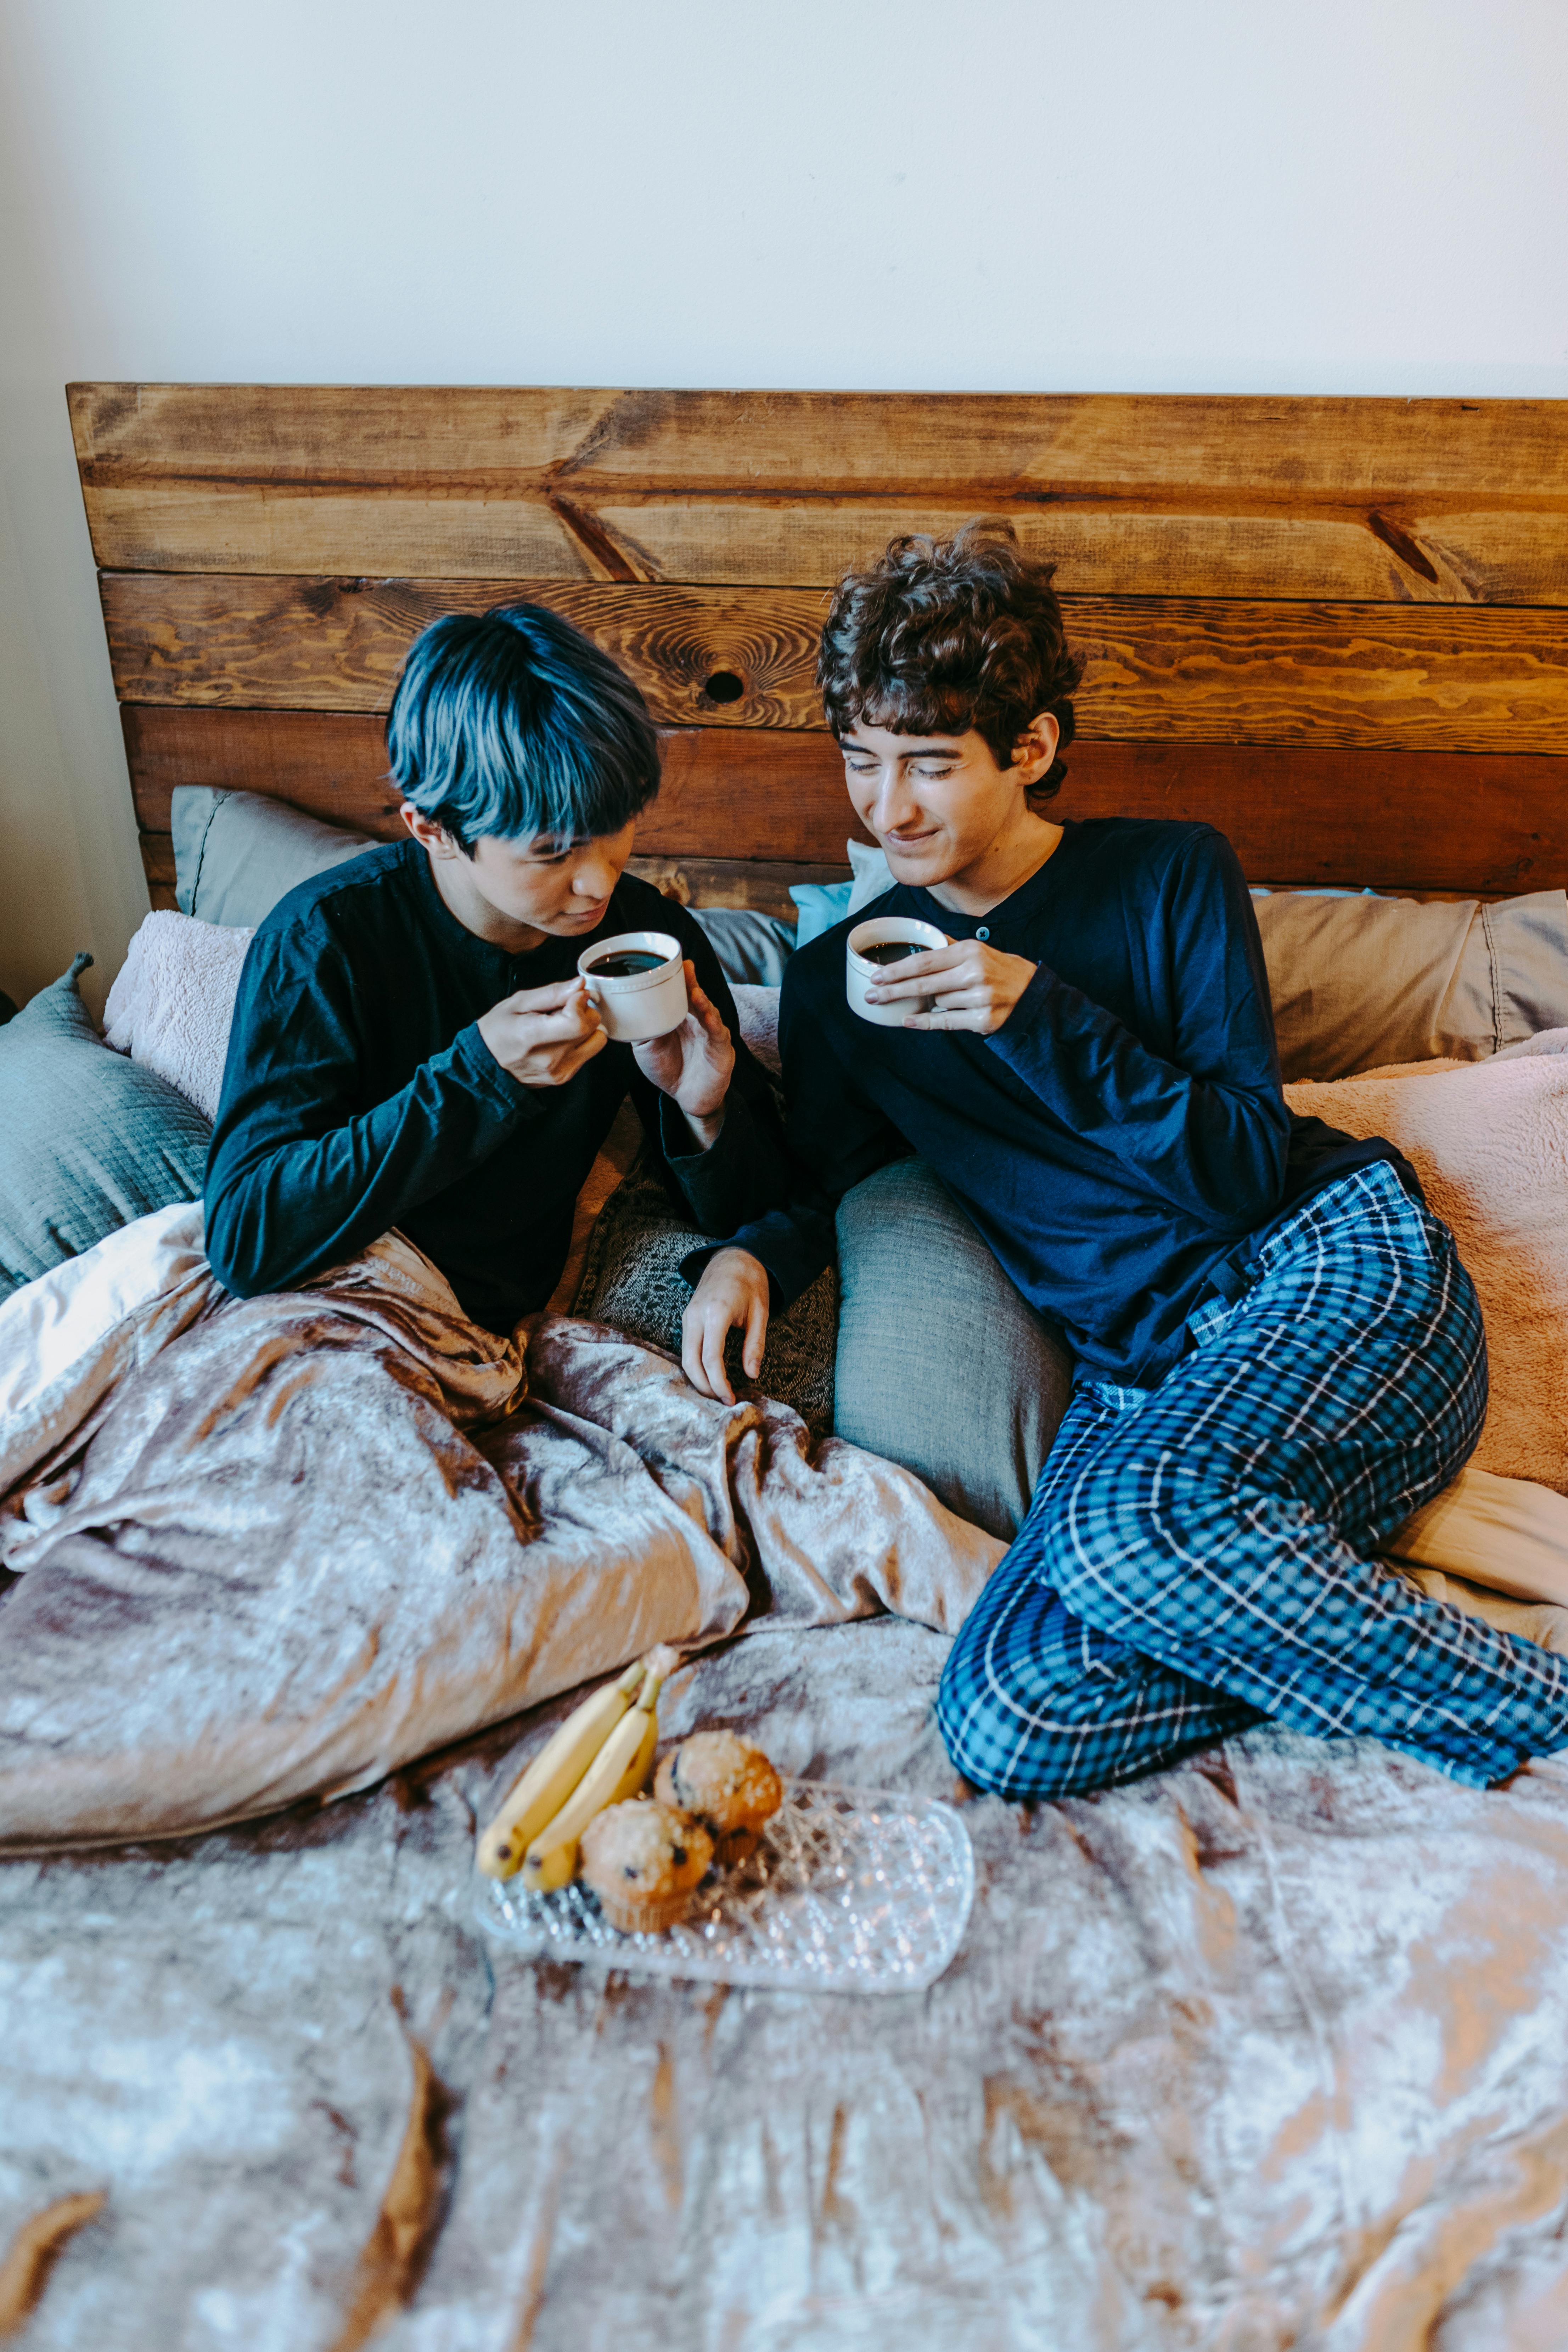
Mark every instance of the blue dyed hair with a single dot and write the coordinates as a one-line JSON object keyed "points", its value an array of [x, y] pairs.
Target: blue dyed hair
{"points": [[512, 722]]}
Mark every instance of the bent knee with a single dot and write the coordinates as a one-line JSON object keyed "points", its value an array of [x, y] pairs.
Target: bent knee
{"points": [[1020, 1705], [1001, 1753]]}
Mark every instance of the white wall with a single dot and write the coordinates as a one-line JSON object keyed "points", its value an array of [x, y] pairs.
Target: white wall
{"points": [[1356, 195]]}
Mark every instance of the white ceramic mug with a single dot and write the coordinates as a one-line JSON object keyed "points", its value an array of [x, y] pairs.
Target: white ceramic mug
{"points": [[637, 1003], [859, 975]]}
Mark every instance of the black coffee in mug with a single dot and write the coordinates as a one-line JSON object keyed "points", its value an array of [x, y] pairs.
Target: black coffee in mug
{"points": [[626, 960], [892, 950]]}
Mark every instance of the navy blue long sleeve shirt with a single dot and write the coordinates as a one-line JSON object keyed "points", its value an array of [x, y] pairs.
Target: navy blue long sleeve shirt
{"points": [[359, 1095], [1120, 1137]]}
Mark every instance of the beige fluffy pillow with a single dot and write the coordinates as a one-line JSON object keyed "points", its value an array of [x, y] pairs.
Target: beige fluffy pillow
{"points": [[173, 1002], [1490, 1146]]}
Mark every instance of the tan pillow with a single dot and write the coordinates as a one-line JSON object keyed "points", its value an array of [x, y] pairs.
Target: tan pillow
{"points": [[1490, 1146], [1360, 982], [1496, 1547]]}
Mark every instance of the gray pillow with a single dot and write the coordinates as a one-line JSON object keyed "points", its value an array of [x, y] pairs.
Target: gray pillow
{"points": [[919, 1286], [751, 948], [92, 1140], [236, 854], [632, 1281]]}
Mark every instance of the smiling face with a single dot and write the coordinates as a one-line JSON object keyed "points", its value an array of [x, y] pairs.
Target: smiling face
{"points": [[515, 893], [950, 820]]}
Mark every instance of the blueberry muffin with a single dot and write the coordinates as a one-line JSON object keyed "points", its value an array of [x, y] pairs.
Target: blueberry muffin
{"points": [[644, 1862], [725, 1783]]}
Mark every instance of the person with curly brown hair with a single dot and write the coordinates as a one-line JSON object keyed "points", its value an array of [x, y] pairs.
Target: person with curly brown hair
{"points": [[1277, 1354]]}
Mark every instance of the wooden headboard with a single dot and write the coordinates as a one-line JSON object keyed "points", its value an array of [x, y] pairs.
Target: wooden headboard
{"points": [[1337, 629]]}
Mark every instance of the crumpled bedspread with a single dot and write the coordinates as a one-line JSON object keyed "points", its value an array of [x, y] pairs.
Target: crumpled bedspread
{"points": [[1266, 2052], [295, 1542]]}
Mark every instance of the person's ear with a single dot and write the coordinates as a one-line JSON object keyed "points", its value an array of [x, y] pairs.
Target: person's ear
{"points": [[426, 832], [1035, 750]]}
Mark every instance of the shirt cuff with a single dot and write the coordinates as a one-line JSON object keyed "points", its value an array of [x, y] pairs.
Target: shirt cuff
{"points": [[719, 1182], [792, 1246], [470, 1058]]}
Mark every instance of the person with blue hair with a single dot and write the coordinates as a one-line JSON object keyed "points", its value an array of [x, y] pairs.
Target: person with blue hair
{"points": [[413, 1045]]}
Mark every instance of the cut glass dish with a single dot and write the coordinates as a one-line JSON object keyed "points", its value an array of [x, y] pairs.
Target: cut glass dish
{"points": [[849, 1890]]}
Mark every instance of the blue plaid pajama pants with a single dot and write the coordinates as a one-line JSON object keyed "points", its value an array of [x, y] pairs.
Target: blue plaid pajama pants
{"points": [[1199, 1554]]}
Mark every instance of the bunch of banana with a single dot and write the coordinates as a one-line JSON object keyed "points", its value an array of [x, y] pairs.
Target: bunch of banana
{"points": [[602, 1754]]}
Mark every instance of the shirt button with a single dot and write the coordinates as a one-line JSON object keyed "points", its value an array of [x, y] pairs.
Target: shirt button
{"points": [[983, 933]]}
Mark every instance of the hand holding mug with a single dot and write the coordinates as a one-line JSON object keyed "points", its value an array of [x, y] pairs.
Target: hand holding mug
{"points": [[692, 1064], [543, 1036], [976, 986]]}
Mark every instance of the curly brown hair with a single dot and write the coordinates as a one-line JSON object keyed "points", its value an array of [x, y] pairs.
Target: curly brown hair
{"points": [[945, 635]]}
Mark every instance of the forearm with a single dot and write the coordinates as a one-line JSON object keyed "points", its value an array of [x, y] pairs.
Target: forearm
{"points": [[1212, 1147], [282, 1204], [739, 1175]]}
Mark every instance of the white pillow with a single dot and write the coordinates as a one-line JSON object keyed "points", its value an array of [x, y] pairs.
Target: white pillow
{"points": [[1361, 982], [758, 1009], [872, 871], [171, 1005]]}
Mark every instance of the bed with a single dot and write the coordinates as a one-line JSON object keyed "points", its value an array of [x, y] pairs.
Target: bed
{"points": [[1267, 2050]]}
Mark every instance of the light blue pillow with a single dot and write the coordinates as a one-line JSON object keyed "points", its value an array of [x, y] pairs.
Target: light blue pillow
{"points": [[821, 904]]}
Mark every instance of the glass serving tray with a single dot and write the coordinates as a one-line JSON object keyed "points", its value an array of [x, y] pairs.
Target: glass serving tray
{"points": [[850, 1890]]}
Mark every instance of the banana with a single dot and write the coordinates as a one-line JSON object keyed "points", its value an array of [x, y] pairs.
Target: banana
{"points": [[554, 1772], [618, 1772]]}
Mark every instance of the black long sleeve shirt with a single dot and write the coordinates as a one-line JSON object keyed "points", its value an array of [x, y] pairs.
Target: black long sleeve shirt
{"points": [[1121, 1136], [359, 1095]]}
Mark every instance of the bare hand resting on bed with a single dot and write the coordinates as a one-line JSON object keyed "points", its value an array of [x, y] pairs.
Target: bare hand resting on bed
{"points": [[734, 1292]]}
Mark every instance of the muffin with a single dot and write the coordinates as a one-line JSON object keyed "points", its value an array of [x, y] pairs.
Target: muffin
{"points": [[644, 1860], [725, 1783]]}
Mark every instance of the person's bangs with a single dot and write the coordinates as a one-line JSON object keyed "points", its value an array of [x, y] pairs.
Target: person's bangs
{"points": [[555, 765], [911, 707]]}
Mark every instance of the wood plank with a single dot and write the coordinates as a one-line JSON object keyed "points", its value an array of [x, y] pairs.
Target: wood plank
{"points": [[334, 766], [1398, 550], [1434, 502], [692, 881], [1500, 556], [1480, 823], [338, 645], [1174, 669], [754, 794], [158, 865], [771, 442], [733, 882]]}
